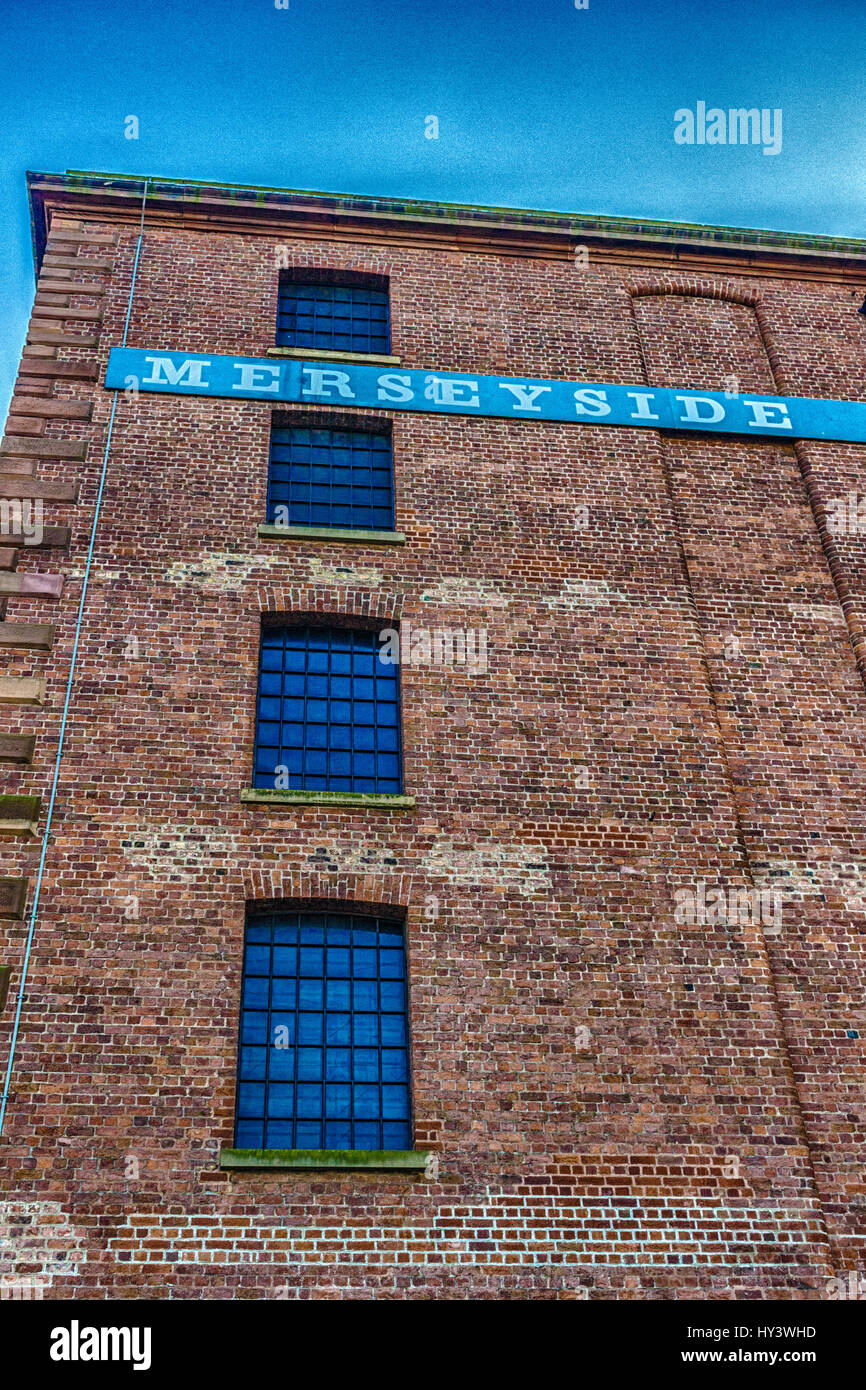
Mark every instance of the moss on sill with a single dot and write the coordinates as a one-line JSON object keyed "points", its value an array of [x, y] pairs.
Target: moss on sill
{"points": [[374, 801], [406, 1160]]}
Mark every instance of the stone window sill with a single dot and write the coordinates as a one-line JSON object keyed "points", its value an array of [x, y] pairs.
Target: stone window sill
{"points": [[328, 1160], [371, 801], [19, 815], [311, 355], [354, 534]]}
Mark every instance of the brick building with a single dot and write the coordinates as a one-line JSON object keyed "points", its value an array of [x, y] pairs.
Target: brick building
{"points": [[549, 934]]}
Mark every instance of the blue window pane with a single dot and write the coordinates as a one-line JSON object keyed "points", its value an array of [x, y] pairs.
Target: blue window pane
{"points": [[338, 1028], [282, 1027], [310, 1063], [281, 1099], [395, 1136], [249, 1134], [393, 1030], [366, 964], [367, 1135], [338, 1064], [312, 961], [310, 1029], [367, 1102], [308, 1135], [395, 1102], [365, 1029], [254, 1028], [338, 1102], [251, 1099], [285, 961], [253, 1063], [338, 1135], [391, 964], [338, 729], [342, 489], [364, 995], [319, 1062], [309, 1101], [284, 992], [394, 1064], [281, 1064], [255, 993], [366, 1064]]}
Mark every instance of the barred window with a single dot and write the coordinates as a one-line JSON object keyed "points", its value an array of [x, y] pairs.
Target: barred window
{"points": [[347, 317], [324, 1048], [328, 712], [320, 477]]}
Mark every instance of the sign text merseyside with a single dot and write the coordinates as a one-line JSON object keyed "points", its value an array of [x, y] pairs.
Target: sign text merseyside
{"points": [[454, 393]]}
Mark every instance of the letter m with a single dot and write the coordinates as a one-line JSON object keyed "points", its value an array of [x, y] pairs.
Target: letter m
{"points": [[163, 372], [742, 124]]}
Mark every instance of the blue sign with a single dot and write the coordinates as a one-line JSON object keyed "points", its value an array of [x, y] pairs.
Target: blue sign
{"points": [[466, 393]]}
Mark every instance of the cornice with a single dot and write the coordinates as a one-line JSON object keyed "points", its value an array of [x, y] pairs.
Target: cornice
{"points": [[305, 213]]}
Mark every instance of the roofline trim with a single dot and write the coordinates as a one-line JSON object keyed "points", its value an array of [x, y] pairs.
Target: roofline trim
{"points": [[463, 218]]}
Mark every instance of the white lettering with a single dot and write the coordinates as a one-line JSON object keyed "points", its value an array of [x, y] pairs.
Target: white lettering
{"points": [[321, 378], [525, 396], [163, 370], [60, 1340], [393, 387], [254, 377], [761, 411], [451, 392], [643, 399], [693, 415], [586, 398], [684, 134], [772, 142]]}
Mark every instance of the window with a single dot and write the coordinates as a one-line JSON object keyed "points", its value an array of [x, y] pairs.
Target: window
{"points": [[347, 317], [323, 1055], [328, 712], [331, 478]]}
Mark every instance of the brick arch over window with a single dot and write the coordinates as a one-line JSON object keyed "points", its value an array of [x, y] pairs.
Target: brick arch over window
{"points": [[286, 888], [328, 262], [337, 604]]}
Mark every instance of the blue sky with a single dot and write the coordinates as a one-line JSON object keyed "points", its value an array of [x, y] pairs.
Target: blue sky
{"points": [[539, 104]]}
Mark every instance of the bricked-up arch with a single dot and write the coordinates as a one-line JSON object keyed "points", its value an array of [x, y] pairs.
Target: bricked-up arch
{"points": [[761, 371], [780, 670], [716, 336], [694, 286], [353, 606]]}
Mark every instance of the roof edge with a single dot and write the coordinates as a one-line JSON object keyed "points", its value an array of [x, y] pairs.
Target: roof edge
{"points": [[78, 187]]}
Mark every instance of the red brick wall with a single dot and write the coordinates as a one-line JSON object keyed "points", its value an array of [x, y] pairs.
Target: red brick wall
{"points": [[621, 1105]]}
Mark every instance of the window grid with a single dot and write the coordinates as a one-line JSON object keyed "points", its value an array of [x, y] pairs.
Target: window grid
{"points": [[328, 711], [346, 318], [331, 478], [323, 1053]]}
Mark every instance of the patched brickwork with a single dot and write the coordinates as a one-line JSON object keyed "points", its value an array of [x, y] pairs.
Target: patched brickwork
{"points": [[623, 1102]]}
